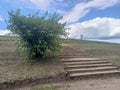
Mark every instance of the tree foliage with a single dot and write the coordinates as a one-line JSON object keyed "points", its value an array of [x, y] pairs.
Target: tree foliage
{"points": [[37, 33]]}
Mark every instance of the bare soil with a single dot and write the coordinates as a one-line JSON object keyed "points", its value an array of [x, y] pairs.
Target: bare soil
{"points": [[112, 83], [16, 84]]}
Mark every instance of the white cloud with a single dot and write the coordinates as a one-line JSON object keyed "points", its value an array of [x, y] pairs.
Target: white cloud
{"points": [[98, 27], [83, 8], [49, 5], [4, 32], [42, 4], [1, 19], [102, 4], [77, 12]]}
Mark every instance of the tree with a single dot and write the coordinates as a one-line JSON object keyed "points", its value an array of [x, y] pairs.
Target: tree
{"points": [[37, 34]]}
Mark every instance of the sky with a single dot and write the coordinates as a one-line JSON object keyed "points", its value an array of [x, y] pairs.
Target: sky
{"points": [[94, 19]]}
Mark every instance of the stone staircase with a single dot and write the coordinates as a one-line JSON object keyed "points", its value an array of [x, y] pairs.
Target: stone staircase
{"points": [[77, 64], [77, 67]]}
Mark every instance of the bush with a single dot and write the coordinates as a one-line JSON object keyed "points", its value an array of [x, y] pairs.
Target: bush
{"points": [[37, 33]]}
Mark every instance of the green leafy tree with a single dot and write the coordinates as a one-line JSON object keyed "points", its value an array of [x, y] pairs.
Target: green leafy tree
{"points": [[37, 33]]}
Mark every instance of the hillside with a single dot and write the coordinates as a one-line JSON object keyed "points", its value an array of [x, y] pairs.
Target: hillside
{"points": [[13, 65], [107, 51]]}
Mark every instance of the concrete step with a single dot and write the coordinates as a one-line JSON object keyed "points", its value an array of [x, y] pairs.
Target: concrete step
{"points": [[92, 69], [87, 62], [88, 66], [70, 61], [67, 61], [72, 56], [77, 59], [94, 73], [80, 56]]}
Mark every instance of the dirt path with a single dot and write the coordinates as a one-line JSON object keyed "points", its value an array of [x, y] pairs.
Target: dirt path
{"points": [[96, 84], [90, 84]]}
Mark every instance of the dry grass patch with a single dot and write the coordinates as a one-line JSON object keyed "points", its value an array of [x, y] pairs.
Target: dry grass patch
{"points": [[14, 67]]}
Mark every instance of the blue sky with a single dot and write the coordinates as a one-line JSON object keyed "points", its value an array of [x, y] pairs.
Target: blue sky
{"points": [[94, 19]]}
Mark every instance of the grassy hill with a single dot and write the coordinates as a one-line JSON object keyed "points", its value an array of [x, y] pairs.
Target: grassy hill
{"points": [[107, 51], [13, 66]]}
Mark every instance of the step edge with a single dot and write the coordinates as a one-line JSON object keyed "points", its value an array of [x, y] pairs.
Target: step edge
{"points": [[98, 73], [94, 69]]}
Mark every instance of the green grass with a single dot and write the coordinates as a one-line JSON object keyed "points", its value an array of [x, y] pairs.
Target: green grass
{"points": [[107, 51], [8, 38], [13, 65], [45, 88]]}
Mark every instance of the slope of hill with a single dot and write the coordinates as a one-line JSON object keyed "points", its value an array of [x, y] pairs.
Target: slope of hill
{"points": [[107, 51]]}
